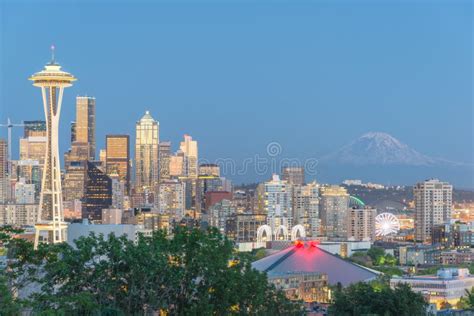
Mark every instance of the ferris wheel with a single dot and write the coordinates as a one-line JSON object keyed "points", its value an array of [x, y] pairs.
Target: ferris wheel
{"points": [[386, 224]]}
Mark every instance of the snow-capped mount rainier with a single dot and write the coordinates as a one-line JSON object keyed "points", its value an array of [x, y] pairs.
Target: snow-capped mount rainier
{"points": [[380, 157], [377, 148]]}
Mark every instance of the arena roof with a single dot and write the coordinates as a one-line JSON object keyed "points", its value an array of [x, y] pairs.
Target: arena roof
{"points": [[307, 257]]}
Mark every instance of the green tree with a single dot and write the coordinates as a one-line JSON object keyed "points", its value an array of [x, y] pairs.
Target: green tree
{"points": [[467, 301], [377, 298], [377, 254], [193, 272]]}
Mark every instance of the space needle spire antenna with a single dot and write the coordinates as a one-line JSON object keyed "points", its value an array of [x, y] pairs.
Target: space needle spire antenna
{"points": [[52, 54], [50, 226]]}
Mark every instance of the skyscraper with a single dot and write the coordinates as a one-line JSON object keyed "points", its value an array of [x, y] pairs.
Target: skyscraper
{"points": [[333, 209], [3, 171], [118, 158], [361, 223], [32, 156], [52, 81], [98, 193], [34, 128], [209, 169], [177, 164], [306, 208], [146, 153], [75, 180], [73, 131], [189, 147], [85, 123], [171, 199], [433, 205], [164, 154], [293, 175], [278, 204]]}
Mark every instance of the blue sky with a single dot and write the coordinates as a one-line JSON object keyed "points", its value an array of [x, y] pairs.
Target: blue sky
{"points": [[236, 75]]}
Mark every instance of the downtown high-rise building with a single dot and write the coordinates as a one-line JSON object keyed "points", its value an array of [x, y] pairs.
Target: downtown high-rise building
{"points": [[82, 149], [85, 124], [361, 223], [32, 154], [293, 175], [189, 148], [333, 210], [117, 158], [73, 131], [278, 205], [146, 153], [3, 171], [98, 193], [306, 208], [34, 128], [433, 206], [171, 199], [164, 157], [176, 165]]}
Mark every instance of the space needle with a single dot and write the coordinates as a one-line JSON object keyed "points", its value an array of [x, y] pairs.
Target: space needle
{"points": [[50, 226]]}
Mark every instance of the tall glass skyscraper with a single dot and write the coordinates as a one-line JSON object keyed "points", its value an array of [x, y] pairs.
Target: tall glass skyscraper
{"points": [[118, 158], [189, 147], [146, 153], [85, 123]]}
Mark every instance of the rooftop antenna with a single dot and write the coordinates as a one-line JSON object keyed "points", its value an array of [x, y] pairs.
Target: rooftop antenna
{"points": [[52, 54]]}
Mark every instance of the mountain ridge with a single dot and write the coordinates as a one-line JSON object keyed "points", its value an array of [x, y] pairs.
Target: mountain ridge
{"points": [[382, 149]]}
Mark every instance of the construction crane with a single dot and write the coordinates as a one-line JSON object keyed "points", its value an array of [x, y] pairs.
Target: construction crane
{"points": [[9, 126]]}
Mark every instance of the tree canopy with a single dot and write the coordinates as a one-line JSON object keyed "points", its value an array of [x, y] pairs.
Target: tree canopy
{"points": [[194, 272], [377, 298]]}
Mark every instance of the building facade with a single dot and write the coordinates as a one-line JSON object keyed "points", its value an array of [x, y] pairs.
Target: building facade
{"points": [[433, 205], [243, 227], [447, 286], [278, 204], [306, 208], [219, 213], [117, 158], [164, 154], [3, 171], [171, 199], [293, 175], [146, 153], [85, 124], [98, 193], [333, 209], [361, 223], [189, 147]]}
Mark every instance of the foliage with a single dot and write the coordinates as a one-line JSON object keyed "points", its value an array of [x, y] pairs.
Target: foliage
{"points": [[378, 256], [8, 304], [259, 254], [377, 298], [467, 301], [191, 273]]}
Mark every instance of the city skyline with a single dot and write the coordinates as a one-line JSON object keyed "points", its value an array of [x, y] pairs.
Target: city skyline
{"points": [[264, 107]]}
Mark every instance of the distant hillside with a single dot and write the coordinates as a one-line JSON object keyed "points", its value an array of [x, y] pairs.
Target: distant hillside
{"points": [[398, 199]]}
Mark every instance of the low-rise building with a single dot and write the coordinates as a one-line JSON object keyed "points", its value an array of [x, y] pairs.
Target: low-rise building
{"points": [[418, 255], [448, 285], [303, 286], [243, 227], [18, 214], [457, 257]]}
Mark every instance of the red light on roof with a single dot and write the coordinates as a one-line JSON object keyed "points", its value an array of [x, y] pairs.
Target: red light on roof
{"points": [[314, 243], [299, 244]]}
